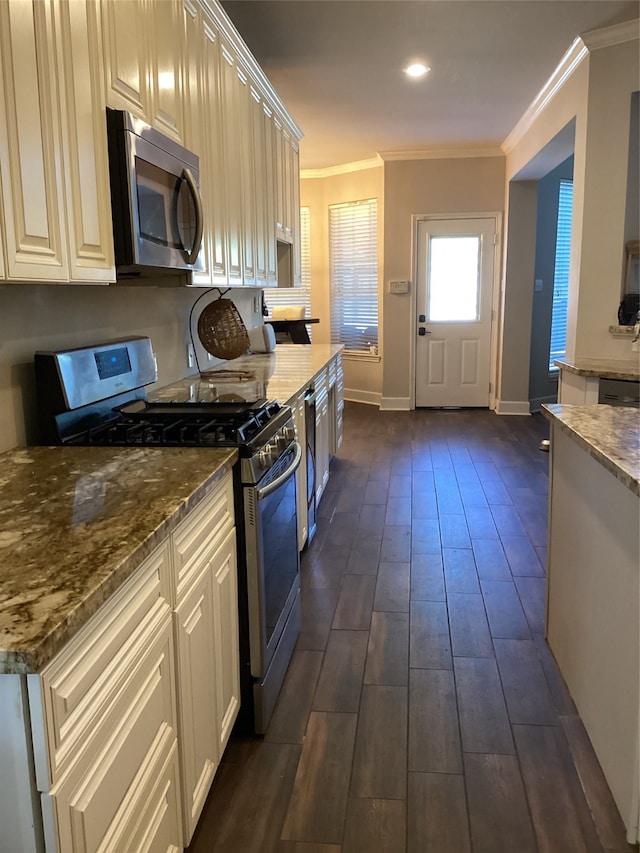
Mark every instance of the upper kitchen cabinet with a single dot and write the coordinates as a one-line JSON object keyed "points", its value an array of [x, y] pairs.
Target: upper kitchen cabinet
{"points": [[84, 142], [30, 145], [203, 134], [143, 60], [53, 157], [233, 97]]}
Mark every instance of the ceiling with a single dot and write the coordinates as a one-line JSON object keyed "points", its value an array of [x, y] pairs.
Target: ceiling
{"points": [[337, 65]]}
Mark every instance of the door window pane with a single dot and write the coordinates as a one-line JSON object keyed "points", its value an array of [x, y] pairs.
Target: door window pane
{"points": [[454, 279]]}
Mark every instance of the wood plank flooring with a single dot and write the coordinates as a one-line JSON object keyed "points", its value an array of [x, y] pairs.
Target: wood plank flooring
{"points": [[422, 711]]}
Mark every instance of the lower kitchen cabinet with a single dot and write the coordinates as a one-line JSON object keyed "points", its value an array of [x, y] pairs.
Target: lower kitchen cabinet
{"points": [[114, 744], [322, 433], [206, 630], [299, 416]]}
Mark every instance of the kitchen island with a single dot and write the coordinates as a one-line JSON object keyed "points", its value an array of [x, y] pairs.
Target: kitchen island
{"points": [[579, 380], [593, 591]]}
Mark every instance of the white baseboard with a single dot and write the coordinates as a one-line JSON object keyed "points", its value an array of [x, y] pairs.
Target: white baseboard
{"points": [[371, 398], [395, 404], [537, 402], [512, 407]]}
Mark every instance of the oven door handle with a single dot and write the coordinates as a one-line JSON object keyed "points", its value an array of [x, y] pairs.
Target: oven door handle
{"points": [[270, 488]]}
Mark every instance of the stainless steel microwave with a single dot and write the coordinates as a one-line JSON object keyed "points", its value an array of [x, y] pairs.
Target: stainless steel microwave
{"points": [[155, 200]]}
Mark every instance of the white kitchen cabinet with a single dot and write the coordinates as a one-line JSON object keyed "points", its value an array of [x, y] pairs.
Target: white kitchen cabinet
{"points": [[263, 201], [203, 134], [84, 142], [143, 58], [111, 790], [232, 90], [115, 743], [206, 623], [126, 57], [299, 416], [30, 145], [53, 151], [294, 166], [104, 723], [336, 404], [322, 433]]}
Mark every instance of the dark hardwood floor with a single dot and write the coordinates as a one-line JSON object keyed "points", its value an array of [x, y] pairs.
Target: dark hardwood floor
{"points": [[422, 710]]}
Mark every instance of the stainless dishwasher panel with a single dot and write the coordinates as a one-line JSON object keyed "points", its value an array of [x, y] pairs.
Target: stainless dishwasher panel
{"points": [[619, 392]]}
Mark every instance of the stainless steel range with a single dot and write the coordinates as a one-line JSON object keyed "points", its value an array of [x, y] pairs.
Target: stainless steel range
{"points": [[97, 395]]}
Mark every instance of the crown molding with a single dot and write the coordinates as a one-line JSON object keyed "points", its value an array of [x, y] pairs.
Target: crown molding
{"points": [[342, 169], [577, 52], [572, 59], [616, 34], [442, 153], [249, 64]]}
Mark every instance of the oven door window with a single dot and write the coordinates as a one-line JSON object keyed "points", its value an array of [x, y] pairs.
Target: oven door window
{"points": [[279, 527]]}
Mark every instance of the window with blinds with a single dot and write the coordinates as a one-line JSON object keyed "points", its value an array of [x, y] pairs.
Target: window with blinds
{"points": [[353, 265], [297, 295], [557, 346]]}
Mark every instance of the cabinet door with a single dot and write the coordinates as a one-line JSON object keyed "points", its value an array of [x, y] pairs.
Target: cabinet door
{"points": [[295, 214], [197, 701], [299, 415], [244, 101], [322, 434], [126, 57], [270, 198], [281, 189], [32, 187], [100, 801], [225, 590], [84, 138], [232, 164], [164, 21], [259, 205]]}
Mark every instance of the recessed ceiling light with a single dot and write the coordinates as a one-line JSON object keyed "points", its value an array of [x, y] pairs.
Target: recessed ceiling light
{"points": [[417, 69]]}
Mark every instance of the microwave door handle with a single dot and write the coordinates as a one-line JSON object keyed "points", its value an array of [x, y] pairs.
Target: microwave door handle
{"points": [[195, 195]]}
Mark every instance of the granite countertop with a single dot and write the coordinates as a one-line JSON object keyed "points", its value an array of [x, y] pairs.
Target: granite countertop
{"points": [[611, 434], [75, 522], [603, 368], [279, 375]]}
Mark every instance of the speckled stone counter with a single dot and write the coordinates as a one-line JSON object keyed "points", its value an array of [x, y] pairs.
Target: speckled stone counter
{"points": [[75, 523], [602, 368], [279, 375], [611, 434]]}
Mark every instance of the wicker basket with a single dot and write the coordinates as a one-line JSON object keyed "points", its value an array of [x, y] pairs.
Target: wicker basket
{"points": [[221, 330]]}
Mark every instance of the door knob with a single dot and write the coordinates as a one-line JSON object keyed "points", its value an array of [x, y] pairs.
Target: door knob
{"points": [[422, 331]]}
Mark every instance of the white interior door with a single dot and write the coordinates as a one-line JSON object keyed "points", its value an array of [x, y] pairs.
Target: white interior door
{"points": [[455, 266]]}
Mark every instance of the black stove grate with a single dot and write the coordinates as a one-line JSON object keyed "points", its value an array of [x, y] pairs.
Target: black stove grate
{"points": [[182, 425]]}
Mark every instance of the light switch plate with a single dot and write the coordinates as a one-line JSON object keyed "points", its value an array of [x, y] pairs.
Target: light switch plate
{"points": [[398, 287]]}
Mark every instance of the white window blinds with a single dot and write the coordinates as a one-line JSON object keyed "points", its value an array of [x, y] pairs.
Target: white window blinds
{"points": [[557, 346], [300, 295], [353, 262]]}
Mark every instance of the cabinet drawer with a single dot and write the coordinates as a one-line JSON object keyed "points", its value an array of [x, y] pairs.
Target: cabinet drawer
{"points": [[200, 534], [84, 680], [124, 782]]}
